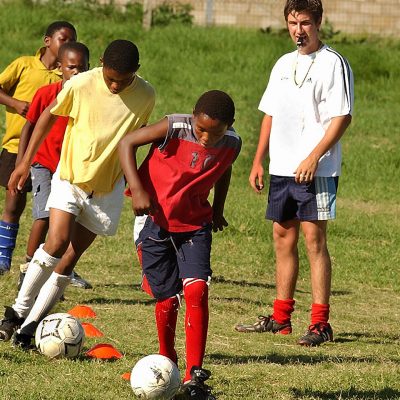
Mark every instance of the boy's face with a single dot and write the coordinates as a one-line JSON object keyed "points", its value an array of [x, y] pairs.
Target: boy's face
{"points": [[54, 42], [301, 25], [72, 63], [117, 81], [207, 130]]}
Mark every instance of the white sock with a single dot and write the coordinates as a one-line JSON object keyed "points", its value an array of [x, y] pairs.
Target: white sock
{"points": [[48, 296], [39, 270]]}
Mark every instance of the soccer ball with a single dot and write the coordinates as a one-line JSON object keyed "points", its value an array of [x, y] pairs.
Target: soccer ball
{"points": [[60, 335], [155, 377]]}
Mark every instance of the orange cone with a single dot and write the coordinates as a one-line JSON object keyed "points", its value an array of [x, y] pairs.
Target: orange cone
{"points": [[80, 311], [126, 376], [104, 351], [91, 330]]}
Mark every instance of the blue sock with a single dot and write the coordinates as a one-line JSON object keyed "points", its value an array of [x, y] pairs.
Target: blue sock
{"points": [[8, 237]]}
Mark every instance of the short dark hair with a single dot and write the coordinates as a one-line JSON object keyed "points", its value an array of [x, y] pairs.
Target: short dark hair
{"points": [[217, 105], [58, 25], [74, 46], [121, 56], [314, 7]]}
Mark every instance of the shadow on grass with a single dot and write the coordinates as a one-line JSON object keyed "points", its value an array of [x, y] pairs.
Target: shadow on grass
{"points": [[367, 337], [242, 283], [296, 359], [129, 302], [129, 286], [352, 393]]}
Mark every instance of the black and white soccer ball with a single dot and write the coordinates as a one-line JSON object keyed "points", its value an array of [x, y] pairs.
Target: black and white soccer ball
{"points": [[155, 377], [60, 335]]}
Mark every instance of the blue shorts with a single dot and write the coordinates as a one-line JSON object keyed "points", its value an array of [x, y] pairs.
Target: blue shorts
{"points": [[169, 257], [314, 201], [41, 185]]}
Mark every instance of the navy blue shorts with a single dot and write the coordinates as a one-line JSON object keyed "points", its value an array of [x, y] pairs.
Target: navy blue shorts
{"points": [[168, 257], [314, 201]]}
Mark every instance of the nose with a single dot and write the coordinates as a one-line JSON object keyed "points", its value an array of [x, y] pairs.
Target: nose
{"points": [[115, 87], [299, 28]]}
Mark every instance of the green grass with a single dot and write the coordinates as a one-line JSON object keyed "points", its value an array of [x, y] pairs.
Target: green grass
{"points": [[181, 63]]}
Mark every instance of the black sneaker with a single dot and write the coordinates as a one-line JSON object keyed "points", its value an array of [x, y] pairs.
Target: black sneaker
{"points": [[9, 324], [23, 341], [196, 389], [316, 335], [265, 324], [78, 281]]}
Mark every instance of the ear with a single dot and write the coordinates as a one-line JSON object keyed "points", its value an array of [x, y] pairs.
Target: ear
{"points": [[137, 68], [101, 61], [47, 41], [319, 24], [59, 66]]}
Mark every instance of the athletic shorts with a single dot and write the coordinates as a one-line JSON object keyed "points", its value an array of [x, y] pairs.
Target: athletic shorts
{"points": [[98, 213], [7, 166], [167, 258], [41, 184], [314, 201]]}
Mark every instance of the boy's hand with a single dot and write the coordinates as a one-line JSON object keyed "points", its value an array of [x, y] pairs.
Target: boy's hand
{"points": [[142, 203], [21, 107], [256, 178], [219, 223], [18, 178], [305, 172]]}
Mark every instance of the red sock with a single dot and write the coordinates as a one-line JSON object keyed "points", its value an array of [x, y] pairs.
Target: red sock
{"points": [[319, 313], [283, 310], [196, 322], [166, 316]]}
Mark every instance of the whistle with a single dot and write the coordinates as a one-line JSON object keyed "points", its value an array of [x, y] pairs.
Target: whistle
{"points": [[300, 41]]}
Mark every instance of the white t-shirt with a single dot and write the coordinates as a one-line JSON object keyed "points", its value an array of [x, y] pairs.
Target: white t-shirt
{"points": [[304, 93]]}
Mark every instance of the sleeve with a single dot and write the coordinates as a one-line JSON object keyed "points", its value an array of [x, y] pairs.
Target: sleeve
{"points": [[38, 104], [149, 110], [267, 100], [11, 75], [340, 95], [65, 101]]}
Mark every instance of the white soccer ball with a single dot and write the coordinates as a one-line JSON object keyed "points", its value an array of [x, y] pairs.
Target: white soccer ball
{"points": [[155, 377], [60, 335]]}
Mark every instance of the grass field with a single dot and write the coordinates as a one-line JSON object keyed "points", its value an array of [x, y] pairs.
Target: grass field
{"points": [[364, 241]]}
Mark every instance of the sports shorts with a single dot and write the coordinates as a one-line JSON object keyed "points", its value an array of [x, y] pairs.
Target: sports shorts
{"points": [[41, 184], [98, 213], [7, 166], [313, 201], [167, 258]]}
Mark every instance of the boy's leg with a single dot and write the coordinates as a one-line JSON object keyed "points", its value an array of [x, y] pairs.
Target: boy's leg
{"points": [[53, 288], [13, 208], [9, 225], [321, 272]]}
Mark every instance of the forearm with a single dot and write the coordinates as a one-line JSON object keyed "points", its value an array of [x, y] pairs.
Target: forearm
{"points": [[221, 191], [24, 139], [6, 100], [332, 135], [40, 131], [263, 141]]}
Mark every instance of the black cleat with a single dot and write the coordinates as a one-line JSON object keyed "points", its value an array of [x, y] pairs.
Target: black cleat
{"points": [[23, 341], [265, 324], [196, 389], [9, 324], [316, 335]]}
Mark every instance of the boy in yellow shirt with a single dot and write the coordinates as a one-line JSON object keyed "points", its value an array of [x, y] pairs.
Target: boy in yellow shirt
{"points": [[18, 83], [87, 189]]}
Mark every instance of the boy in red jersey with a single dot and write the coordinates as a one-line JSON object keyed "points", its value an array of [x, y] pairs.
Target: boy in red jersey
{"points": [[73, 58], [190, 155], [18, 83]]}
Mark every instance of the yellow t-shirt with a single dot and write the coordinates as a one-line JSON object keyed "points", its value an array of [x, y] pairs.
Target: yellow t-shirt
{"points": [[21, 79], [98, 120]]}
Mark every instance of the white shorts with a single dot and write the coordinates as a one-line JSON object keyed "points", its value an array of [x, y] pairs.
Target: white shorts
{"points": [[98, 213]]}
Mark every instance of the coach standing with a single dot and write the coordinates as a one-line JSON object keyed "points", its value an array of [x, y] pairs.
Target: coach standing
{"points": [[308, 105]]}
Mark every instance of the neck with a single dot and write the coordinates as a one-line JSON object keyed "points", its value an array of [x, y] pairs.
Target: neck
{"points": [[310, 49], [48, 60]]}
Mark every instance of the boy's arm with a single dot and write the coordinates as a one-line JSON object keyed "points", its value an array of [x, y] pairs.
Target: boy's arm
{"points": [[127, 147], [42, 128], [26, 134], [335, 131], [21, 107], [220, 192], [257, 171]]}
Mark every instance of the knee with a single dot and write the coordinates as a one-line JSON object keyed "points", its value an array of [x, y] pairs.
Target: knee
{"points": [[195, 292], [14, 207], [56, 245], [315, 244]]}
